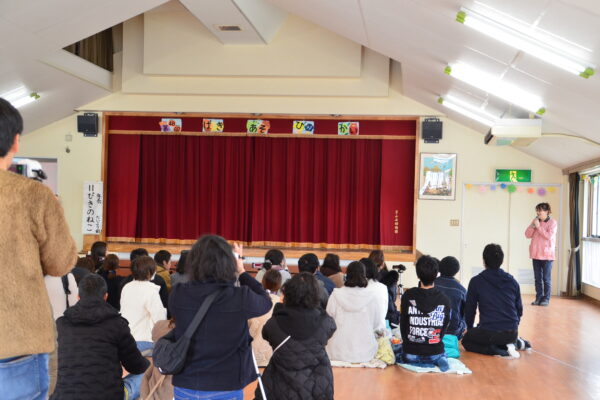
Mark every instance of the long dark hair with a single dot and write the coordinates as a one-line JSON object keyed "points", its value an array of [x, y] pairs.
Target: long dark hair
{"points": [[110, 265], [98, 253], [355, 275], [371, 270], [331, 265], [377, 257], [211, 258], [182, 261]]}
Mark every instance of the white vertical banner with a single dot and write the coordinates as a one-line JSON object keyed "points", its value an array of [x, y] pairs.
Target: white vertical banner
{"points": [[93, 202]]}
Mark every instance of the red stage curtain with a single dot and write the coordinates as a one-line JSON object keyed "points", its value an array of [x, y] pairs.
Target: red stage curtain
{"points": [[316, 191], [260, 190], [187, 187], [122, 185]]}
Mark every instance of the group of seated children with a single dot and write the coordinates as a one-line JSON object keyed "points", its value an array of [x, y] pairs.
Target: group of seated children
{"points": [[320, 314], [433, 317], [439, 313]]}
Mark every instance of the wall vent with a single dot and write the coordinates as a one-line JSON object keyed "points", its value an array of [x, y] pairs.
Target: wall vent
{"points": [[229, 28]]}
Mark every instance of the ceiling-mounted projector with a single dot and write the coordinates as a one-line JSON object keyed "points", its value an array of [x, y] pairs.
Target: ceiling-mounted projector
{"points": [[517, 132]]}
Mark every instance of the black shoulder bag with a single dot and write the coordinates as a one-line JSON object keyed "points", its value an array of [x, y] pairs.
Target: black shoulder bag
{"points": [[65, 284], [169, 354]]}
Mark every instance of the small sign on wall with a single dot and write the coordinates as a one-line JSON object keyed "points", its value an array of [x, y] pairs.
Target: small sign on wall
{"points": [[212, 125], [348, 128], [170, 125], [93, 201], [258, 126], [513, 175], [303, 127]]}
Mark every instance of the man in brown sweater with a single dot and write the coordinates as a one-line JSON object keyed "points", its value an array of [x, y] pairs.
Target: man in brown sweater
{"points": [[34, 241]]}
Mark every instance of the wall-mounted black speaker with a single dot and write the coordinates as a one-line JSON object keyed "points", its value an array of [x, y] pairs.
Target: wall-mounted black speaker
{"points": [[431, 130], [88, 124]]}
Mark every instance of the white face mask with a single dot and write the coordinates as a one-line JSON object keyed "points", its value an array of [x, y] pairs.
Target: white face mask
{"points": [[152, 278]]}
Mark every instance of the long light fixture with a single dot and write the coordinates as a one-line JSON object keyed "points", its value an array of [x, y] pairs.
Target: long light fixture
{"points": [[20, 96], [493, 85], [529, 39], [468, 110]]}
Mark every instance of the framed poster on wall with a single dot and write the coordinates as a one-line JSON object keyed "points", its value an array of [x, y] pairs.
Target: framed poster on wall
{"points": [[437, 176]]}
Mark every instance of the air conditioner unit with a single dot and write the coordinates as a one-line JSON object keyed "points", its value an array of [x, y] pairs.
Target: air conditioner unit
{"points": [[516, 132]]}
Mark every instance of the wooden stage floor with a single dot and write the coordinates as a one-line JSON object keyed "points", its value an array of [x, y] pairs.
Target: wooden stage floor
{"points": [[564, 364]]}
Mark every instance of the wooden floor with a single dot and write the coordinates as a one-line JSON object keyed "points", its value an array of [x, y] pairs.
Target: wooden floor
{"points": [[564, 364]]}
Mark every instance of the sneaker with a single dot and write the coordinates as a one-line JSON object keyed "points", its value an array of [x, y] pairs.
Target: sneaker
{"points": [[520, 344], [512, 351], [544, 303], [499, 351], [536, 302]]}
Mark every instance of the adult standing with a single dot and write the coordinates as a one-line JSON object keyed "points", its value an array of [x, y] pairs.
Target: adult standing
{"points": [[34, 241], [542, 232], [219, 363]]}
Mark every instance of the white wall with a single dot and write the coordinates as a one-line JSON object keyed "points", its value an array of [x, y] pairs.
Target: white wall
{"points": [[82, 163]]}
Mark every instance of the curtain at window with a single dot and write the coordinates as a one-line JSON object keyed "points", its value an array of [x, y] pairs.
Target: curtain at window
{"points": [[97, 49], [574, 271]]}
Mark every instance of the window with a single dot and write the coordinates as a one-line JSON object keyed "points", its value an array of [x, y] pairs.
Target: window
{"points": [[591, 230]]}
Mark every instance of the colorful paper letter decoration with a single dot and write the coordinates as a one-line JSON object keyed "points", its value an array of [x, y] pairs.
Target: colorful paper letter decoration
{"points": [[170, 125], [212, 125], [304, 127], [348, 128], [258, 126]]}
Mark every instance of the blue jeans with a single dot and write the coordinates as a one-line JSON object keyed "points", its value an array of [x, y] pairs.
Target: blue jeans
{"points": [[133, 382], [24, 377], [436, 360], [542, 271], [145, 348], [189, 394]]}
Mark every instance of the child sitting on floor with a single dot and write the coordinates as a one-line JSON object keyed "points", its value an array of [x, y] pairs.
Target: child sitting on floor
{"points": [[94, 342], [497, 296], [424, 317], [447, 284], [140, 302], [271, 281]]}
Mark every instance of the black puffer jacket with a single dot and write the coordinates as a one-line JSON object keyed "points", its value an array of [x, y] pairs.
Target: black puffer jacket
{"points": [[300, 368], [93, 341]]}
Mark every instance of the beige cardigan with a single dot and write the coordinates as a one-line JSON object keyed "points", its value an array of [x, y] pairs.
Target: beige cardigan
{"points": [[34, 241], [152, 377], [262, 349]]}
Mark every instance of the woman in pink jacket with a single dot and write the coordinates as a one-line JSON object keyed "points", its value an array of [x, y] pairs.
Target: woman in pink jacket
{"points": [[542, 232]]}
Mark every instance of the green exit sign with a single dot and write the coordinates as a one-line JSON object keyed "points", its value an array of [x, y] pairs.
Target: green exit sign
{"points": [[513, 175]]}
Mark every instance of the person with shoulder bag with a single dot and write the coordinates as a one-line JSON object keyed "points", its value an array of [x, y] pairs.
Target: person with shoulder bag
{"points": [[218, 362]]}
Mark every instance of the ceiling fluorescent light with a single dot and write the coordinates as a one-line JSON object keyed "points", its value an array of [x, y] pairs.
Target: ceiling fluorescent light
{"points": [[496, 86], [20, 96], [536, 42], [467, 110]]}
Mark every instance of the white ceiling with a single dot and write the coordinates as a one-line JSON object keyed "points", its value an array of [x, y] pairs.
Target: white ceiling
{"points": [[421, 34], [424, 37], [34, 30], [258, 20]]}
